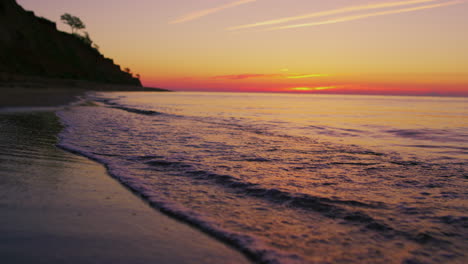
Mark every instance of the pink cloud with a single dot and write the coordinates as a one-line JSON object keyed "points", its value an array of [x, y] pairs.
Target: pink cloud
{"points": [[246, 76]]}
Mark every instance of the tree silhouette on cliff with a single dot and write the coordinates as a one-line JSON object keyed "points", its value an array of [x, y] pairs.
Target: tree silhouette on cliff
{"points": [[74, 22]]}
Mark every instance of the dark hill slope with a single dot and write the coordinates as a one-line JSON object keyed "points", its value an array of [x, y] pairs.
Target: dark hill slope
{"points": [[33, 46]]}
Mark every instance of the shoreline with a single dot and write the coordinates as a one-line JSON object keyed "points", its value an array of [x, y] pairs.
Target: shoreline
{"points": [[42, 92], [60, 206]]}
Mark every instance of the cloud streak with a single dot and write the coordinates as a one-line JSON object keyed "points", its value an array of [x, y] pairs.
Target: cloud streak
{"points": [[257, 75], [247, 76], [306, 76], [382, 13], [332, 12], [205, 12], [312, 88]]}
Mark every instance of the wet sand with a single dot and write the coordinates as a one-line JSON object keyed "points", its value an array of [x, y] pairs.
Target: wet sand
{"points": [[30, 97], [42, 92], [56, 207]]}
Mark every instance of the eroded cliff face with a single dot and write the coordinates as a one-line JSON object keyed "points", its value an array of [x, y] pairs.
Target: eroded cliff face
{"points": [[33, 46]]}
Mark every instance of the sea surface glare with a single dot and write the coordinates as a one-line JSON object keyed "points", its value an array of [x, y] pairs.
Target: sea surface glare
{"points": [[293, 178]]}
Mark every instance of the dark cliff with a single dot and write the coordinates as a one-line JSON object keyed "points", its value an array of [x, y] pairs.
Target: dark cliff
{"points": [[32, 46]]}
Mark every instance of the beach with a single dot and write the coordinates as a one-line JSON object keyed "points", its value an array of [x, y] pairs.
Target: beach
{"points": [[58, 207], [123, 177], [26, 91], [235, 131]]}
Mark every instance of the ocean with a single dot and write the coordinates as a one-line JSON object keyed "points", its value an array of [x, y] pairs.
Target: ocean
{"points": [[292, 178]]}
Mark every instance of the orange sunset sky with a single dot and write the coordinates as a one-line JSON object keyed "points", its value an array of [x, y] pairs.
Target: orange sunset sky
{"points": [[412, 47]]}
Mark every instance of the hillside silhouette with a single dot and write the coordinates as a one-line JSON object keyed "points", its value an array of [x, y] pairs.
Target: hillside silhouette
{"points": [[32, 46]]}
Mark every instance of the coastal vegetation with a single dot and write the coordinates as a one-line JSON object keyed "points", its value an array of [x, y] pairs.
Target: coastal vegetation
{"points": [[74, 22]]}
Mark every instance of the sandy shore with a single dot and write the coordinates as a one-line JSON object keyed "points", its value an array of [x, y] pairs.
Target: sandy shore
{"points": [[22, 97], [20, 91], [57, 207], [44, 92]]}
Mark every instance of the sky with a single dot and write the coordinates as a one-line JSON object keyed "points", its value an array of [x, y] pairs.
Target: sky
{"points": [[395, 47]]}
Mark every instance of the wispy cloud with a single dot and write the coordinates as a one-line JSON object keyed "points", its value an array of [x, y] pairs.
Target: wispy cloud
{"points": [[247, 76], [302, 76], [205, 12], [312, 88], [275, 75], [333, 12], [356, 17]]}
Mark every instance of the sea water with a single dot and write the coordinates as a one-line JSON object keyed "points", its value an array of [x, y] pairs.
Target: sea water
{"points": [[293, 178]]}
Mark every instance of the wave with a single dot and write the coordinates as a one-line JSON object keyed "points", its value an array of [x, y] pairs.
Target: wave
{"points": [[137, 111], [331, 208], [242, 242], [439, 135]]}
